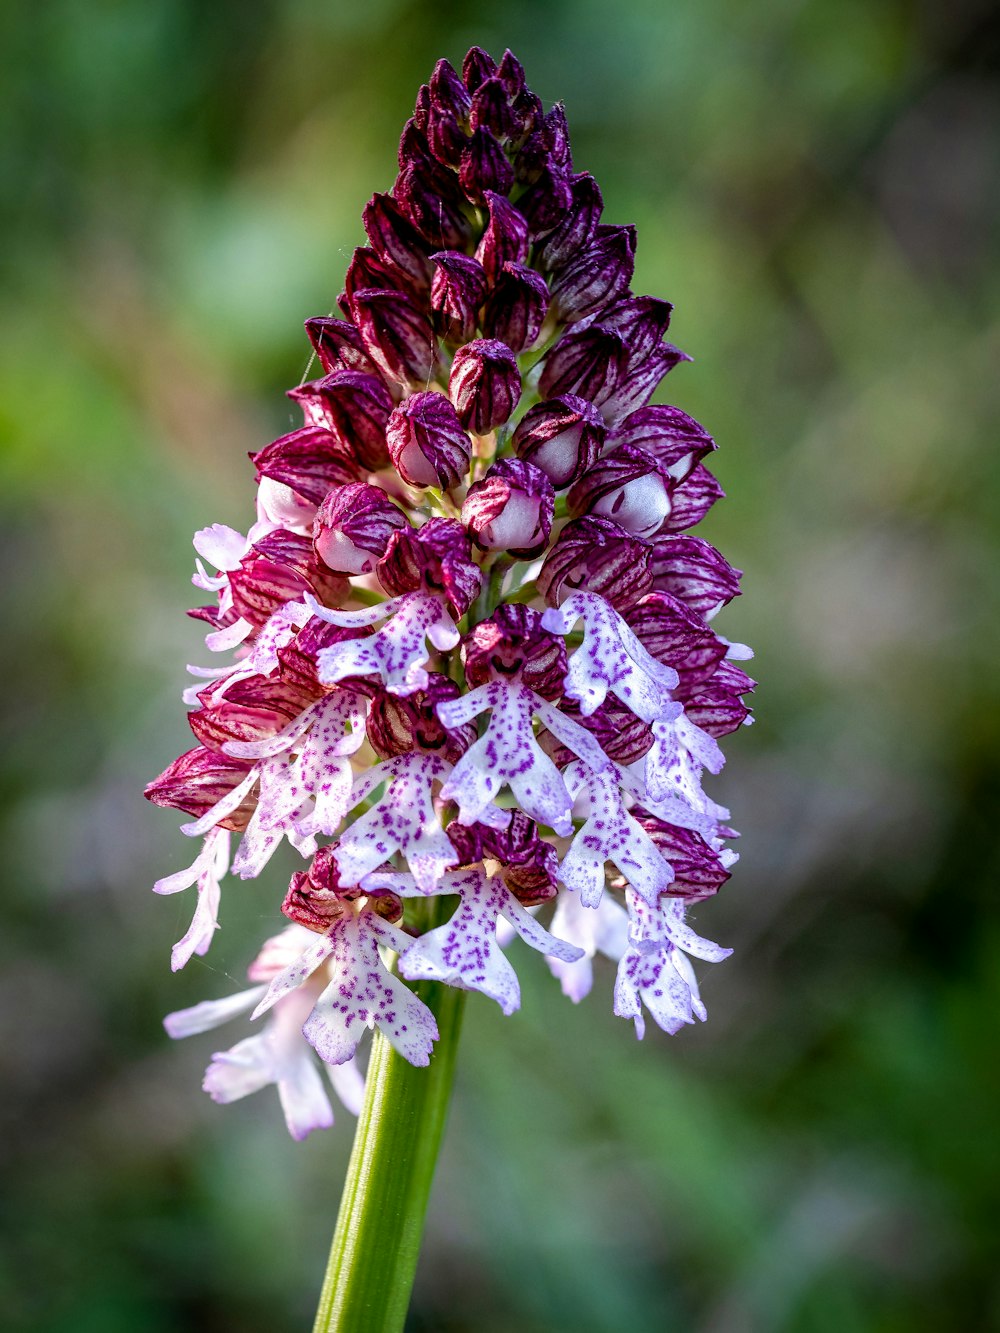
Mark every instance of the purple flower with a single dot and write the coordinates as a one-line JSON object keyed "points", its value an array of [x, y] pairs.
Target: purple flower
{"points": [[466, 640]]}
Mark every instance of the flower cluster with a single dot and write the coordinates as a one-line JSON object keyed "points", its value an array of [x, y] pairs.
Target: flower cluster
{"points": [[473, 679]]}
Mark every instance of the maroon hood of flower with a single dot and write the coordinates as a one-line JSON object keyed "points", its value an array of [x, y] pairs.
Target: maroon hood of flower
{"points": [[485, 384], [562, 436], [353, 526], [355, 407], [197, 780], [698, 870], [627, 485], [398, 725], [309, 461], [428, 443], [513, 645], [621, 735], [596, 555], [716, 705], [436, 558], [280, 568], [297, 659], [675, 634], [694, 571], [530, 866], [316, 898], [511, 509]]}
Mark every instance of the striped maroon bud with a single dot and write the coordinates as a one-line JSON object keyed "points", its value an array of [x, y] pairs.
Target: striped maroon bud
{"points": [[698, 869], [338, 345], [692, 499], [562, 436], [716, 706], [355, 407], [639, 381], [515, 311], [675, 634], [316, 897], [529, 864], [399, 725], [436, 558], [397, 242], [428, 443], [512, 645], [694, 571], [477, 67], [628, 486], [546, 147], [586, 362], [505, 238], [280, 568], [198, 779], [448, 92], [485, 384], [457, 294], [491, 111], [511, 509], [596, 555], [621, 735], [576, 231], [642, 322], [598, 276], [397, 335], [510, 72], [673, 438], [429, 194], [485, 167], [307, 463], [353, 527], [367, 271]]}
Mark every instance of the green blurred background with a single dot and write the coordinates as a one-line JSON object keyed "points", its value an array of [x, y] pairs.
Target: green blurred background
{"points": [[816, 185]]}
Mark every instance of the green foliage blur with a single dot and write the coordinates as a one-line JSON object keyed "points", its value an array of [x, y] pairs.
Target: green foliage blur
{"points": [[815, 184]]}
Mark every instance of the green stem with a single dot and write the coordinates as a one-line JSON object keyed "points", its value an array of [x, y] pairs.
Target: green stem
{"points": [[375, 1247]]}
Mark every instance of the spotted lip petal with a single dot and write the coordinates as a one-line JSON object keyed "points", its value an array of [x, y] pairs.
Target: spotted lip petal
{"points": [[396, 653]]}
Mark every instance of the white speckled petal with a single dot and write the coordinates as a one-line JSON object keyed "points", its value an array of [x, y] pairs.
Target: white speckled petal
{"points": [[398, 651]]}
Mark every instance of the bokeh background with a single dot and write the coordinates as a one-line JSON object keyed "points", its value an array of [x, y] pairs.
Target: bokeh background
{"points": [[816, 186]]}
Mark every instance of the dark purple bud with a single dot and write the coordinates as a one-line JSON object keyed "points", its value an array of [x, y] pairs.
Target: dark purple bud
{"points": [[547, 147], [491, 111], [562, 436], [676, 635], [280, 568], [596, 555], [428, 443], [298, 658], [505, 239], [431, 199], [642, 321], [445, 137], [364, 272], [448, 91], [355, 407], [457, 294], [674, 439], [698, 869], [485, 384], [353, 527], [692, 499], [557, 137], [529, 864], [398, 726], [251, 709], [512, 645], [511, 509], [598, 276], [716, 706], [695, 572], [485, 168], [308, 462], [338, 345], [585, 362], [397, 242], [628, 486], [436, 558], [197, 780], [547, 202], [510, 72], [397, 336], [575, 232], [639, 381], [477, 67], [528, 114], [421, 108], [515, 311]]}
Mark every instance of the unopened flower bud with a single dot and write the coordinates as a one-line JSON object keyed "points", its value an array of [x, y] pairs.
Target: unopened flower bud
{"points": [[305, 464], [515, 311], [428, 443], [353, 527], [576, 231], [511, 509], [628, 486], [485, 384], [598, 276], [562, 436], [355, 407], [338, 345], [588, 363], [485, 167], [457, 293], [596, 555], [397, 335], [396, 241], [505, 239]]}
